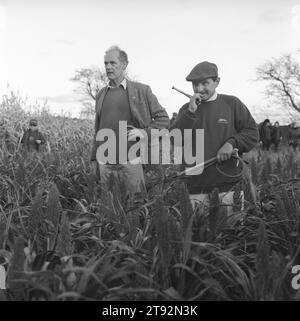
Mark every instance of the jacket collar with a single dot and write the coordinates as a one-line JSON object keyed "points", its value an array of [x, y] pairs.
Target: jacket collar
{"points": [[132, 98]]}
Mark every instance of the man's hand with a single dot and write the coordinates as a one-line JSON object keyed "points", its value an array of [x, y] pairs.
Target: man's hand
{"points": [[135, 133], [38, 141], [225, 152], [196, 98]]}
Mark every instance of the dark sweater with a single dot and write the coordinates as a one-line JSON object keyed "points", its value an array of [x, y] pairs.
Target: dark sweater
{"points": [[265, 133], [276, 134], [116, 108], [225, 119]]}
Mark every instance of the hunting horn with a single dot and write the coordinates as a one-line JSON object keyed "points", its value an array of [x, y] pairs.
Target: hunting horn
{"points": [[198, 101], [182, 92]]}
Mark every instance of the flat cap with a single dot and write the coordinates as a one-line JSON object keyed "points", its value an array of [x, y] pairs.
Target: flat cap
{"points": [[33, 122], [203, 71]]}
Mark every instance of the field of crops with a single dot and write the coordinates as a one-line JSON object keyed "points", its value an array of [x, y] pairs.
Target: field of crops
{"points": [[63, 238]]}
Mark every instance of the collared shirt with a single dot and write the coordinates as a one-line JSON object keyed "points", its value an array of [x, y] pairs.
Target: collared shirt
{"points": [[213, 97], [123, 83]]}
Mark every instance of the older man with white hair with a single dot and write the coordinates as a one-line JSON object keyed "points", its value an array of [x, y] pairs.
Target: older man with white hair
{"points": [[130, 102]]}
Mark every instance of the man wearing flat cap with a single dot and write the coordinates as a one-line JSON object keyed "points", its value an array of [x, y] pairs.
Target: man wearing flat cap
{"points": [[228, 125], [33, 138]]}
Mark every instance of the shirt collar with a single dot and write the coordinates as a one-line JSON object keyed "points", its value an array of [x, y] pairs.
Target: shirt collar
{"points": [[123, 83], [213, 97]]}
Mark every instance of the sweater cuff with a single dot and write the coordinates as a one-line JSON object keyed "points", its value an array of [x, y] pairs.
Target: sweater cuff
{"points": [[190, 114], [233, 142]]}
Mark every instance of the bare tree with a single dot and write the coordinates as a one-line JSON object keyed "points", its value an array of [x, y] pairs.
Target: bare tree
{"points": [[283, 80], [90, 80]]}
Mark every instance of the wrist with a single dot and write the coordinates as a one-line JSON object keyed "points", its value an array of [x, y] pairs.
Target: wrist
{"points": [[232, 142], [192, 109], [190, 114]]}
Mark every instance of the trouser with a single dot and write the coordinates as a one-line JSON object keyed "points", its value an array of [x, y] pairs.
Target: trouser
{"points": [[131, 175], [266, 145], [276, 144], [202, 201], [294, 144]]}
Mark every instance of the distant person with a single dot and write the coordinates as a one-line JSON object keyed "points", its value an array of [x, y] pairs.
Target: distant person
{"points": [[276, 135], [265, 134], [5, 139], [33, 138], [294, 135], [174, 115]]}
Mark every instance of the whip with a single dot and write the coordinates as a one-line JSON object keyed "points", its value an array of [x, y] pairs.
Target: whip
{"points": [[186, 173]]}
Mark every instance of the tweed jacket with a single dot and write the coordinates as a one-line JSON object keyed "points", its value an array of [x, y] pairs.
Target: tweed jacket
{"points": [[146, 111]]}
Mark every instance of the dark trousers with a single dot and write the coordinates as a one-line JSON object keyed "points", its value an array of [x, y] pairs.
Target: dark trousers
{"points": [[276, 145], [294, 144], [266, 145]]}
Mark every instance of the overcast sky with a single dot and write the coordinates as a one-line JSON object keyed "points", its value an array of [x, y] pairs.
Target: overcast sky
{"points": [[42, 43]]}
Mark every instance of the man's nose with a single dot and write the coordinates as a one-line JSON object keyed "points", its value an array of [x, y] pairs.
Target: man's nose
{"points": [[199, 88]]}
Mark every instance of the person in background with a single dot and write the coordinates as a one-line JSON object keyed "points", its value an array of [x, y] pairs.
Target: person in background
{"points": [[33, 139], [276, 135], [265, 134], [5, 138], [294, 135], [172, 121]]}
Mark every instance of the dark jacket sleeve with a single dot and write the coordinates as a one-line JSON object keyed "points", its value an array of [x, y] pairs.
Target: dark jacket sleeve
{"points": [[159, 116], [247, 135], [184, 120]]}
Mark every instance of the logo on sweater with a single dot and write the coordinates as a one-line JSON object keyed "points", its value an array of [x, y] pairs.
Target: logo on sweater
{"points": [[222, 121]]}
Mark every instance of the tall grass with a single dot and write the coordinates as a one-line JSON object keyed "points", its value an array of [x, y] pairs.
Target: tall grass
{"points": [[63, 237]]}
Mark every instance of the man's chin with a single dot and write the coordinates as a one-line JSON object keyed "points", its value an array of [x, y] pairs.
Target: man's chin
{"points": [[205, 97]]}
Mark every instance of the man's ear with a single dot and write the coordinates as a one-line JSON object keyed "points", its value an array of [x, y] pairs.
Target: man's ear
{"points": [[124, 64], [218, 81]]}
